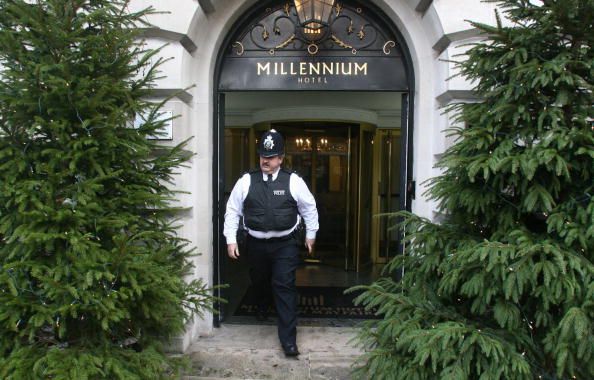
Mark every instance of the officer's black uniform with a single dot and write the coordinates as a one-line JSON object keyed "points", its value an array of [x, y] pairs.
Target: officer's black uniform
{"points": [[271, 215], [273, 261]]}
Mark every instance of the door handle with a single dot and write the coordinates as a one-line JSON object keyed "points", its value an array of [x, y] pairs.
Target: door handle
{"points": [[411, 186]]}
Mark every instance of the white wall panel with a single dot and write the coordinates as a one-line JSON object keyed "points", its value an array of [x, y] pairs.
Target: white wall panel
{"points": [[175, 15]]}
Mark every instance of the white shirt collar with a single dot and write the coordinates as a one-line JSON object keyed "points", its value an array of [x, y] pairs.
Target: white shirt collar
{"points": [[274, 175]]}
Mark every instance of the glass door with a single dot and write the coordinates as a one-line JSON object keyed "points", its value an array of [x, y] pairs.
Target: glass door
{"points": [[337, 161], [320, 155]]}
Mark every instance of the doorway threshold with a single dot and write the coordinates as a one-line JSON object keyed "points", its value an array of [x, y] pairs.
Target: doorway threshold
{"points": [[305, 322], [253, 352]]}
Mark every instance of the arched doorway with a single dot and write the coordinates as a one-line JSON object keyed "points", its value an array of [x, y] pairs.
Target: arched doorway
{"points": [[356, 168]]}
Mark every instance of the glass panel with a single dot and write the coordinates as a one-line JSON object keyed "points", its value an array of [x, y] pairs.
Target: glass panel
{"points": [[301, 7], [237, 141], [318, 10], [321, 159], [327, 10], [236, 162]]}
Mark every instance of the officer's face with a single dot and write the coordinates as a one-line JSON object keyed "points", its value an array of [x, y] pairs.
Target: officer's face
{"points": [[269, 165]]}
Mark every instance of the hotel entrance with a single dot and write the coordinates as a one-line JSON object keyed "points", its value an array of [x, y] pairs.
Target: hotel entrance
{"points": [[341, 96], [353, 171]]}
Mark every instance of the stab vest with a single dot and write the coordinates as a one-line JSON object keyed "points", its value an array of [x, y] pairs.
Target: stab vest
{"points": [[270, 207]]}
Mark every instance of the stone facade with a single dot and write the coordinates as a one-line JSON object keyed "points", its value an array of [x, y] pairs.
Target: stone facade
{"points": [[194, 31]]}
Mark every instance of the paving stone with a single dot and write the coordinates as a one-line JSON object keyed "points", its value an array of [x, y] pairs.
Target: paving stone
{"points": [[253, 352]]}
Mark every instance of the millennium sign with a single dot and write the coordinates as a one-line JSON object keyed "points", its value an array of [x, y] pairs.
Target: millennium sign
{"points": [[325, 73], [354, 52], [312, 68]]}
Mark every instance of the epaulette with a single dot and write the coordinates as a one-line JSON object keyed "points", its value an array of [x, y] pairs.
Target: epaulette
{"points": [[252, 171], [291, 172]]}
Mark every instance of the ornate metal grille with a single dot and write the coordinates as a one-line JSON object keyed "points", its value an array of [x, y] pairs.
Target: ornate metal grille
{"points": [[351, 31]]}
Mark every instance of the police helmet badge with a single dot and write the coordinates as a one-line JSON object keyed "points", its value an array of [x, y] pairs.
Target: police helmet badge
{"points": [[268, 143]]}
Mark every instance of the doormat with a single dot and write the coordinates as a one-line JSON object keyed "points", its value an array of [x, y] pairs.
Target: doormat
{"points": [[314, 302]]}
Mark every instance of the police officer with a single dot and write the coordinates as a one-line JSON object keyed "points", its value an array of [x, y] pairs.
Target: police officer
{"points": [[272, 202]]}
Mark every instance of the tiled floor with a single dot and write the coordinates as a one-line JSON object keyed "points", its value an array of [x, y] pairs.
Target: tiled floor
{"points": [[237, 277], [326, 275]]}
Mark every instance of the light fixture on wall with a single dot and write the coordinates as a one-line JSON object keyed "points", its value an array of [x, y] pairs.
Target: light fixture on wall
{"points": [[313, 14]]}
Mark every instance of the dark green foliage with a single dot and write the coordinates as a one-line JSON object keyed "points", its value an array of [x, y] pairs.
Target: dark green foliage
{"points": [[92, 269], [503, 288]]}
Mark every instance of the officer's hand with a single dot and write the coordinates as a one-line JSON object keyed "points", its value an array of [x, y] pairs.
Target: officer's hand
{"points": [[233, 251], [309, 243]]}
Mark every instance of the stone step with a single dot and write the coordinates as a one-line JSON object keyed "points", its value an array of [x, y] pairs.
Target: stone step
{"points": [[253, 352]]}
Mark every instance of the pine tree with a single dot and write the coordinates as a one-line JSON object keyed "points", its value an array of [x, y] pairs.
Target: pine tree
{"points": [[92, 270], [502, 287]]}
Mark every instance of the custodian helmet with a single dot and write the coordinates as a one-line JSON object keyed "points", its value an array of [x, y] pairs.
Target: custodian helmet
{"points": [[271, 144]]}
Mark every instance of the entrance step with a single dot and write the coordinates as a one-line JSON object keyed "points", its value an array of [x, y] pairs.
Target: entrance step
{"points": [[253, 352]]}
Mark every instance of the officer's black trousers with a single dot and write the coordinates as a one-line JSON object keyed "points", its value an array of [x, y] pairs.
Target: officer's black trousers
{"points": [[272, 268]]}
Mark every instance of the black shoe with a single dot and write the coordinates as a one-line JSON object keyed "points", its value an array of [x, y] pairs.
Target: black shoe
{"points": [[291, 350]]}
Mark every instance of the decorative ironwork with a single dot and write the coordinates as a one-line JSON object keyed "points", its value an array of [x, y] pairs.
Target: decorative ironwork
{"points": [[361, 33], [287, 42], [338, 38], [341, 43], [387, 46], [239, 47], [337, 9], [265, 34], [357, 50]]}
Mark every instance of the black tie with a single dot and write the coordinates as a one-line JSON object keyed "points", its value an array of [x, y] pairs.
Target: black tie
{"points": [[269, 180]]}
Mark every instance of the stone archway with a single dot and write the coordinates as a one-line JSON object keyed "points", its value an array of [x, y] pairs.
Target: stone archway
{"points": [[267, 50]]}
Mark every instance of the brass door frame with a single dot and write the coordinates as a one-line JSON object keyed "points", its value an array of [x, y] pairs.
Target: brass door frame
{"points": [[377, 171], [363, 127], [348, 201]]}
